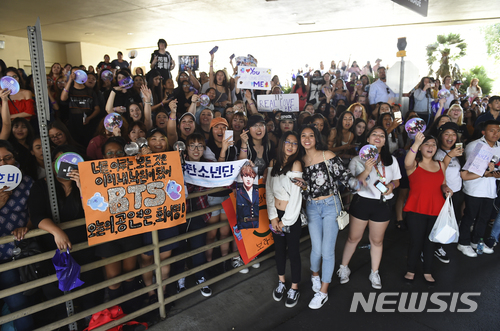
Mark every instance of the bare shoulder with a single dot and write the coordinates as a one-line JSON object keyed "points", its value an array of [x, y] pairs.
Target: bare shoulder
{"points": [[271, 164], [297, 166], [329, 155]]}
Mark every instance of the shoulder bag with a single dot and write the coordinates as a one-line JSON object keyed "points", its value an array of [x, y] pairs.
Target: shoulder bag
{"points": [[343, 216]]}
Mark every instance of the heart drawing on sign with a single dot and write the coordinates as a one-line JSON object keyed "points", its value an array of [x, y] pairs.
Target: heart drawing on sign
{"points": [[248, 70]]}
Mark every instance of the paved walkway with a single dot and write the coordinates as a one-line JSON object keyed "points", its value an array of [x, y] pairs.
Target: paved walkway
{"points": [[244, 301]]}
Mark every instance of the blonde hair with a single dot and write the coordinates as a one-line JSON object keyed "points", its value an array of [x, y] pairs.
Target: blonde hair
{"points": [[364, 115], [460, 118]]}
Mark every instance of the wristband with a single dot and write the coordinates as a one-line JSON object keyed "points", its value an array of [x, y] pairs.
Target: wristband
{"points": [[252, 104], [413, 151], [66, 90], [393, 185], [172, 119], [53, 102], [162, 104], [148, 103], [244, 150]]}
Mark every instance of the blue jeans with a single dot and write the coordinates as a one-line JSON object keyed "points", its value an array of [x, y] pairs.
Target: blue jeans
{"points": [[18, 301], [323, 228], [495, 231]]}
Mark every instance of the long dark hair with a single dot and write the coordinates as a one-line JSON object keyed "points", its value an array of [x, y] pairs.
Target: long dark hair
{"points": [[461, 159], [384, 153], [303, 84], [326, 126], [230, 153], [31, 132], [360, 139], [224, 81], [380, 122], [281, 167], [339, 128], [427, 137], [156, 91], [22, 83], [320, 143]]}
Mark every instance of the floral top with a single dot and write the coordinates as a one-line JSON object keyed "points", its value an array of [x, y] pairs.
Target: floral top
{"points": [[320, 183]]}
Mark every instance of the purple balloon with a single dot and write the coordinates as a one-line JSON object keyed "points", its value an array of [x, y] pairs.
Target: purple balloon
{"points": [[80, 77], [10, 83]]}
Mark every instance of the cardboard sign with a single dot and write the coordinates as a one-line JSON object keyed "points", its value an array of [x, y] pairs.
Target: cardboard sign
{"points": [[124, 197], [251, 242], [254, 78], [10, 176], [283, 102], [478, 160]]}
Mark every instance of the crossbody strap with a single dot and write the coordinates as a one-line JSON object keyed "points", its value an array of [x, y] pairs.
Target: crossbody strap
{"points": [[328, 172]]}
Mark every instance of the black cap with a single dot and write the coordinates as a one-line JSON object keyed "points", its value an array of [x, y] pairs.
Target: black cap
{"points": [[458, 81], [118, 140], [449, 126], [287, 117], [254, 119], [154, 130]]}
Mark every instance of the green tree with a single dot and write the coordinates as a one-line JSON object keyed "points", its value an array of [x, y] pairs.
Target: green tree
{"points": [[480, 73], [492, 39], [449, 47]]}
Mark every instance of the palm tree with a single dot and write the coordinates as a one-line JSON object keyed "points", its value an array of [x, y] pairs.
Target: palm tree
{"points": [[450, 47]]}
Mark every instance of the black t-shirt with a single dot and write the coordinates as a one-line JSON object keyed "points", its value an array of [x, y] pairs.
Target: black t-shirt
{"points": [[163, 64], [70, 208], [119, 65], [82, 101], [104, 66], [123, 99]]}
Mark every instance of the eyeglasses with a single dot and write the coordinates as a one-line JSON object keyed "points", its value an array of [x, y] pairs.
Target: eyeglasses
{"points": [[7, 158], [293, 143], [57, 135], [14, 76], [185, 85], [117, 153], [230, 112], [196, 147], [260, 126]]}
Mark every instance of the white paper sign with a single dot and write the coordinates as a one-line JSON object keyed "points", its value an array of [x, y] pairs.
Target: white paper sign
{"points": [[478, 160], [10, 176], [212, 174], [283, 102], [254, 78]]}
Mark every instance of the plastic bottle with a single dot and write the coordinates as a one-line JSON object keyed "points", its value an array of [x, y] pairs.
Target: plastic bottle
{"points": [[480, 247], [365, 246]]}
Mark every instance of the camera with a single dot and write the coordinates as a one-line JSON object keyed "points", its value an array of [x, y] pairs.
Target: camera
{"points": [[318, 80]]}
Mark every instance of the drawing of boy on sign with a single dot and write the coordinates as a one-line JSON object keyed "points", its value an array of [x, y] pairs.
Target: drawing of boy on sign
{"points": [[247, 199]]}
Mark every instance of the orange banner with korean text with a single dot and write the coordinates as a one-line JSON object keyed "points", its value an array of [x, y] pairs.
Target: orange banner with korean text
{"points": [[128, 196], [253, 241]]}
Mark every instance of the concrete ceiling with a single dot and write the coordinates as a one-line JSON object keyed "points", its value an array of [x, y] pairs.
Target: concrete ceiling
{"points": [[137, 24]]}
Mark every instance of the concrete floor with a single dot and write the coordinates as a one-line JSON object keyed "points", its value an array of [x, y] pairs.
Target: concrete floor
{"points": [[244, 301]]}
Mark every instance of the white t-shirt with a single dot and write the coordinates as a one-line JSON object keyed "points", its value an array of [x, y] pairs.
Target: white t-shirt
{"points": [[453, 179], [392, 172]]}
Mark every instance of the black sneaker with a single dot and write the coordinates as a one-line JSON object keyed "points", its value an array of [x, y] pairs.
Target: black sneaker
{"points": [[441, 255], [278, 292], [181, 285], [205, 290], [291, 298]]}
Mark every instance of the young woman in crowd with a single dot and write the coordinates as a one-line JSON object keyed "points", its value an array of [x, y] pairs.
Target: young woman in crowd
{"points": [[284, 201], [238, 124], [425, 200], [456, 114], [433, 129], [387, 121], [111, 149], [301, 89], [321, 124], [255, 145], [370, 205], [286, 123], [474, 90], [220, 149], [358, 110], [359, 133], [322, 170], [158, 143], [206, 117], [59, 135], [195, 147], [118, 98], [218, 80], [55, 71], [21, 139], [94, 148], [341, 137], [22, 103], [15, 221]]}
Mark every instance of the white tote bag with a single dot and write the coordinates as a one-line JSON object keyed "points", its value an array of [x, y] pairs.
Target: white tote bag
{"points": [[445, 230]]}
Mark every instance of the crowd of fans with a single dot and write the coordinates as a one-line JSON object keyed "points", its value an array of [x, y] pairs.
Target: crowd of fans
{"points": [[305, 158]]}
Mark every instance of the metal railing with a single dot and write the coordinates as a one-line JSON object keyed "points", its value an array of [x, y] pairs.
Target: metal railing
{"points": [[155, 267]]}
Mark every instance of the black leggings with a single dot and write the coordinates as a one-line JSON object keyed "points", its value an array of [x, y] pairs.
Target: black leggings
{"points": [[420, 227], [291, 240]]}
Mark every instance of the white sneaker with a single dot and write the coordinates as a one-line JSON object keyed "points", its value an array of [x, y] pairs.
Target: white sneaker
{"points": [[238, 262], [316, 281], [318, 300], [375, 279], [181, 285], [205, 290], [343, 273], [486, 249], [256, 265], [466, 250]]}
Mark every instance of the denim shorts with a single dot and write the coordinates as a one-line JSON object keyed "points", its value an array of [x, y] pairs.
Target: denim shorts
{"points": [[212, 201]]}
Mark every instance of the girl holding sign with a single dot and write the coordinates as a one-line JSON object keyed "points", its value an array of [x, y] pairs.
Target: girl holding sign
{"points": [[219, 81]]}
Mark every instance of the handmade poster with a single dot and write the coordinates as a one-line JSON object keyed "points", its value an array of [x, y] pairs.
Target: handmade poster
{"points": [[251, 242], [247, 198], [189, 61], [212, 174], [283, 102], [248, 61], [254, 78], [123, 197], [10, 177], [478, 160]]}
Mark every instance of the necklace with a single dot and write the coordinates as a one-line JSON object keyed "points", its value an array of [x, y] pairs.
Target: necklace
{"points": [[311, 159]]}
